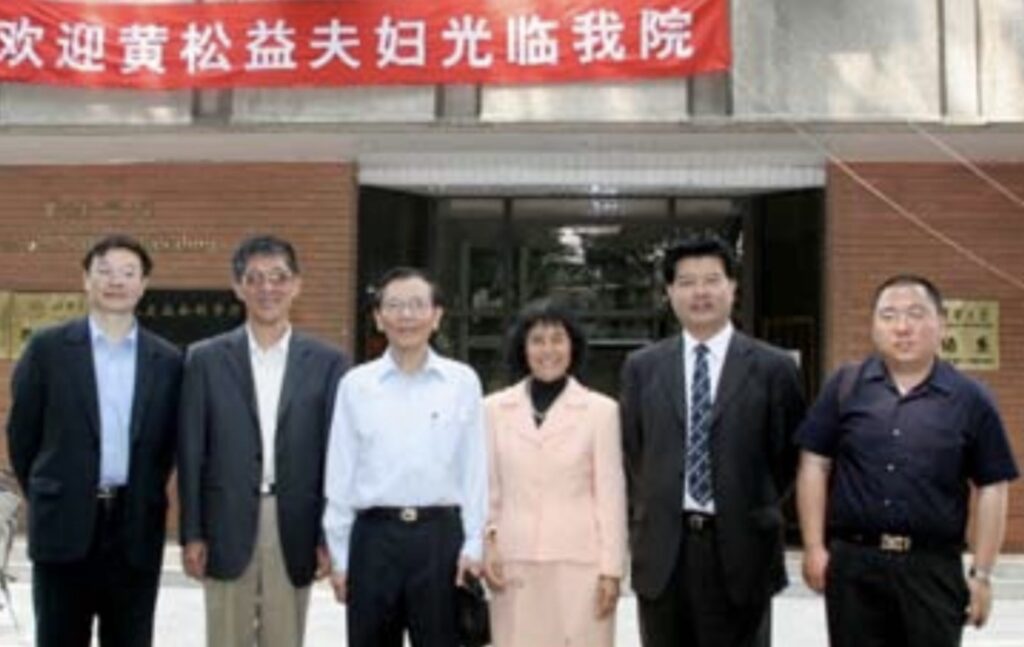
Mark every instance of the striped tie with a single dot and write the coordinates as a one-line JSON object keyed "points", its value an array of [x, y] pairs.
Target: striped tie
{"points": [[698, 457]]}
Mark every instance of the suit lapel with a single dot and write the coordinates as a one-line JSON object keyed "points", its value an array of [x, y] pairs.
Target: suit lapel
{"points": [[516, 405], [145, 364], [566, 410], [240, 364], [670, 373], [734, 373], [298, 350], [79, 354]]}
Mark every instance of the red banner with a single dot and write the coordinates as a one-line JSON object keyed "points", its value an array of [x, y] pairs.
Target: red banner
{"points": [[359, 42]]}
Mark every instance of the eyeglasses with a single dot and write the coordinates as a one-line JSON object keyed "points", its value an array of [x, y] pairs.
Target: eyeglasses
{"points": [[273, 278], [415, 307]]}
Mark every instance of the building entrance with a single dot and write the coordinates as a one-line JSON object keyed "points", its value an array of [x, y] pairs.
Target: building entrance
{"points": [[600, 255]]}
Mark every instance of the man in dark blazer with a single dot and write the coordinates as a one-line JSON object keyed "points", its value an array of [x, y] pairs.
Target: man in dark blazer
{"points": [[91, 437], [255, 416], [707, 424]]}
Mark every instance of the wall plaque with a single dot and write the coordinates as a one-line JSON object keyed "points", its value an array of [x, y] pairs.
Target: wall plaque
{"points": [[5, 325], [33, 310], [972, 335]]}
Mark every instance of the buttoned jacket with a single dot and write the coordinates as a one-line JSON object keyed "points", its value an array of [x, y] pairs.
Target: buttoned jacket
{"points": [[557, 490]]}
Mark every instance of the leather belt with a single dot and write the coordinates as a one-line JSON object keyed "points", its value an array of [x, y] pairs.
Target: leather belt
{"points": [[698, 521], [411, 514], [109, 492], [895, 543]]}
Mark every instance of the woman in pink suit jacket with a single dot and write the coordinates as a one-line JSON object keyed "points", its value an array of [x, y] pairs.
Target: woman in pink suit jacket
{"points": [[555, 546]]}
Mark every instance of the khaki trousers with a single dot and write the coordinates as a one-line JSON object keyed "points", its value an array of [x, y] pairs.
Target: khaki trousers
{"points": [[261, 607]]}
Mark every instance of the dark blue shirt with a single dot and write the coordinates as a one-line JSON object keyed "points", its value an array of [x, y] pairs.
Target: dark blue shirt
{"points": [[901, 463]]}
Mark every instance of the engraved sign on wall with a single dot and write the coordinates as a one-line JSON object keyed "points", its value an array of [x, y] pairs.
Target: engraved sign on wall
{"points": [[33, 310], [972, 335], [5, 325]]}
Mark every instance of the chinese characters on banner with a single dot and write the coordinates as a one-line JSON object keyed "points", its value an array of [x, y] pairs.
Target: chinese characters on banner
{"points": [[364, 42]]}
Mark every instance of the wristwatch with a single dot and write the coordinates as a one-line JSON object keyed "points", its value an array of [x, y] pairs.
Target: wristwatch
{"points": [[980, 574]]}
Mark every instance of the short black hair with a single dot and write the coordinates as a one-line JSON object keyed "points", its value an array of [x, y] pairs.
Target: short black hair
{"points": [[912, 280], [547, 312], [262, 245], [406, 272], [697, 246], [118, 241]]}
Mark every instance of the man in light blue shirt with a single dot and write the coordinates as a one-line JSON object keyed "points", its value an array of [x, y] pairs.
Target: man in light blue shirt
{"points": [[406, 479], [114, 364], [91, 436]]}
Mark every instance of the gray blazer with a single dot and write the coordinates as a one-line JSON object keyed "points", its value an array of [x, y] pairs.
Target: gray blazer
{"points": [[757, 408], [220, 451]]}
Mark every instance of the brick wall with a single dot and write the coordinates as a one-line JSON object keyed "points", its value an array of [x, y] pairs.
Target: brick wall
{"points": [[191, 217], [867, 240]]}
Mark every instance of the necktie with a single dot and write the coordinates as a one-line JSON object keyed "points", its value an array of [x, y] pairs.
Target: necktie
{"points": [[698, 456]]}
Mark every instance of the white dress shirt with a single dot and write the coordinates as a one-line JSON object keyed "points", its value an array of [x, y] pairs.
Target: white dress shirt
{"points": [[718, 345], [400, 439], [268, 366]]}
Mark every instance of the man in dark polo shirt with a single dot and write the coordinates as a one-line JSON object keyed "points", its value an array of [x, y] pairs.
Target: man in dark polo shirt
{"points": [[889, 450]]}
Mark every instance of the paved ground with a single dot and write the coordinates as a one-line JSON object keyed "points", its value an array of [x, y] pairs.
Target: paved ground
{"points": [[798, 622]]}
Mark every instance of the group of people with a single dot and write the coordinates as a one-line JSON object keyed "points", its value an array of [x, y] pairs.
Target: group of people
{"points": [[398, 480]]}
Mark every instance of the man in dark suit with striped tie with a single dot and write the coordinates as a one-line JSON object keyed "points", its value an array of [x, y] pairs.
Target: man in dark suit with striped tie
{"points": [[707, 422]]}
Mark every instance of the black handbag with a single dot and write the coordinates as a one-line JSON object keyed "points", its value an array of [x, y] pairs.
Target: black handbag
{"points": [[474, 621]]}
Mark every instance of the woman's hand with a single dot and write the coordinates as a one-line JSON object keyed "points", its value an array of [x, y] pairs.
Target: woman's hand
{"points": [[607, 595], [494, 572]]}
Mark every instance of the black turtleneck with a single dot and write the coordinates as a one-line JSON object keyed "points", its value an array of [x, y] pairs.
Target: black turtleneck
{"points": [[542, 394]]}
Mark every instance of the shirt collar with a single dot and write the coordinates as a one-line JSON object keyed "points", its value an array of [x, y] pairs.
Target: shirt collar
{"points": [[97, 335], [278, 347], [717, 344], [942, 376], [432, 365]]}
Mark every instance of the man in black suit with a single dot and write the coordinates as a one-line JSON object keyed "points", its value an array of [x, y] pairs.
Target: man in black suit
{"points": [[707, 424], [91, 437], [255, 415]]}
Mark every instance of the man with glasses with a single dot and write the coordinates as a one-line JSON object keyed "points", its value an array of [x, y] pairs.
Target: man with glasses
{"points": [[406, 477], [91, 437], [255, 414], [889, 450]]}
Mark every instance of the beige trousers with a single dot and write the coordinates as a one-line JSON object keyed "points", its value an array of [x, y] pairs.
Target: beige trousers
{"points": [[261, 607]]}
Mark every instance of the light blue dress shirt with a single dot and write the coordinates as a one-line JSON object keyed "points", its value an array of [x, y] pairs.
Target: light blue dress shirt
{"points": [[401, 439], [114, 364]]}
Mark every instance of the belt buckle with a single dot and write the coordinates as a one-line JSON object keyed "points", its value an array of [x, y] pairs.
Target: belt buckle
{"points": [[106, 493], [408, 515], [696, 521], [894, 543]]}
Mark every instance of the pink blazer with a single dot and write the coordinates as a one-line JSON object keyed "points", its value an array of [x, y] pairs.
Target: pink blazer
{"points": [[557, 492]]}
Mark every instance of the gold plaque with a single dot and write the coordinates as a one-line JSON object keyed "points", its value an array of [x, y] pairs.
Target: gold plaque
{"points": [[5, 325], [31, 311], [972, 335]]}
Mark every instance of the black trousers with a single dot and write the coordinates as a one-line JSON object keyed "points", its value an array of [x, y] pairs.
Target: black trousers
{"points": [[695, 609], [68, 597], [883, 599], [401, 578]]}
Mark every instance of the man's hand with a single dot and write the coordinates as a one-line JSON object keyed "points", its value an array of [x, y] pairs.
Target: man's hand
{"points": [[607, 595], [815, 566], [323, 562], [980, 604], [193, 559], [466, 565], [339, 582], [494, 571]]}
